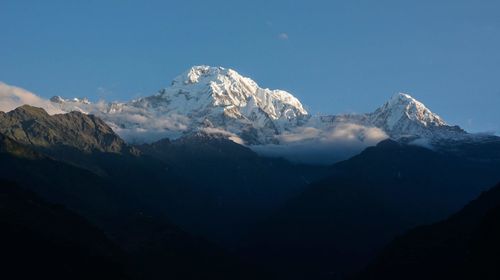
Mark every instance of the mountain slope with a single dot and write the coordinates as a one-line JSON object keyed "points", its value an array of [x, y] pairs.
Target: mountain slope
{"points": [[233, 185], [237, 186], [33, 126], [125, 204], [40, 239], [464, 246], [339, 223], [404, 116]]}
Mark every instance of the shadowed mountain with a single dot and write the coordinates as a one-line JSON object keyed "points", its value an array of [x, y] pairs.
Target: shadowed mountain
{"points": [[464, 246], [237, 186], [10, 146], [56, 243], [122, 202], [43, 240], [215, 188], [338, 224], [56, 181], [72, 142], [482, 149], [75, 138]]}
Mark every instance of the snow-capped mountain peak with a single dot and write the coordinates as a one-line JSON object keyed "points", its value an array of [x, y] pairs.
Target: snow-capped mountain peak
{"points": [[203, 97], [220, 100], [238, 96], [403, 105], [404, 116], [60, 100], [199, 74]]}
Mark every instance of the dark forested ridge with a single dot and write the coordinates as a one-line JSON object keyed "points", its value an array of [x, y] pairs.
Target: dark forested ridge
{"points": [[120, 203], [339, 223], [41, 239], [204, 207], [237, 186], [464, 246]]}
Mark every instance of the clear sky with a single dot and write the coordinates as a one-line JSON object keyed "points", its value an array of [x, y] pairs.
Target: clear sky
{"points": [[335, 56]]}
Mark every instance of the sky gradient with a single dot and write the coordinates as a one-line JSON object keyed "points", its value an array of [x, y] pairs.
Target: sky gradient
{"points": [[335, 56]]}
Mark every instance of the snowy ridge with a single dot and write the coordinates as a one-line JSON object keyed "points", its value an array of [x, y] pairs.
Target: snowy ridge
{"points": [[202, 97], [204, 87], [221, 101], [402, 107], [403, 116]]}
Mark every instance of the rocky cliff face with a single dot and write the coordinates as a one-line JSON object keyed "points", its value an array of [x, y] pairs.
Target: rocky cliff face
{"points": [[33, 126]]}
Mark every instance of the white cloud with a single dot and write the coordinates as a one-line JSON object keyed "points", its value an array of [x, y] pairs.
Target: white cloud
{"points": [[283, 36], [422, 142], [12, 97], [300, 134], [217, 131], [339, 132], [141, 125], [308, 144], [323, 146]]}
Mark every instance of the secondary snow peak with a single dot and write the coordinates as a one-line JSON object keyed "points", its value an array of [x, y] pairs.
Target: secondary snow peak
{"points": [[220, 99]]}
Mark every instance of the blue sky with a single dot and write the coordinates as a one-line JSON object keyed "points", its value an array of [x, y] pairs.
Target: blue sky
{"points": [[335, 56]]}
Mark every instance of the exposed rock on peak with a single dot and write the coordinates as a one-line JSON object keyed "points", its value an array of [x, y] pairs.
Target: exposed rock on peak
{"points": [[222, 99]]}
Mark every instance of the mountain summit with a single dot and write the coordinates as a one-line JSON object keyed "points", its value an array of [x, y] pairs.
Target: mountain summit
{"points": [[237, 95], [221, 101], [215, 97], [402, 107], [202, 98], [404, 116]]}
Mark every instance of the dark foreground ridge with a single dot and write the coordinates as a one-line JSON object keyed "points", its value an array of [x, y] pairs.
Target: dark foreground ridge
{"points": [[464, 246], [204, 207]]}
